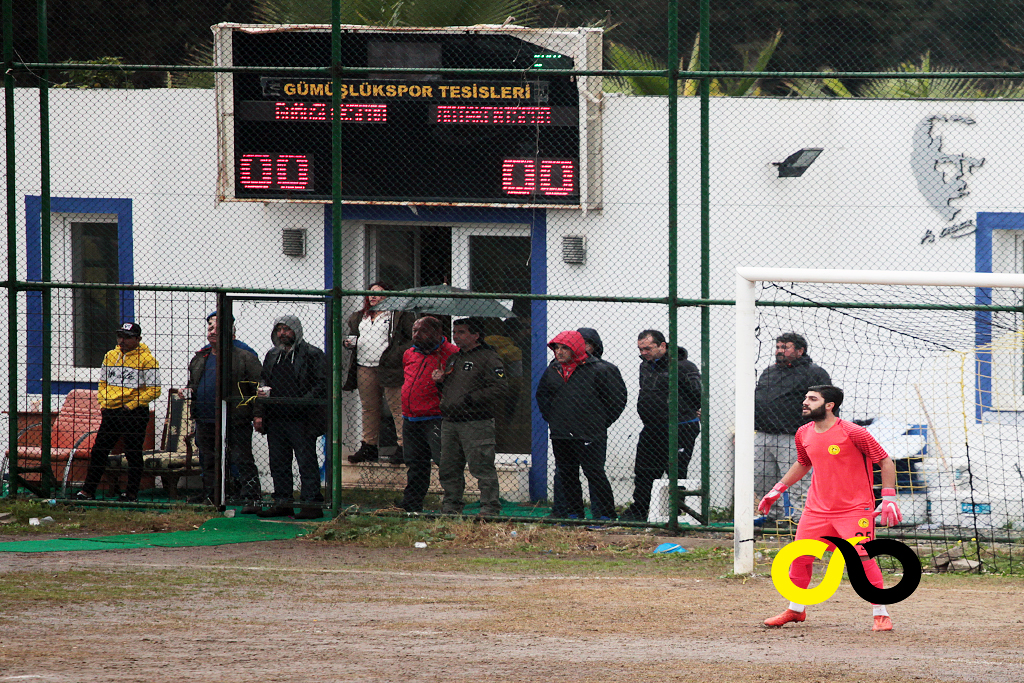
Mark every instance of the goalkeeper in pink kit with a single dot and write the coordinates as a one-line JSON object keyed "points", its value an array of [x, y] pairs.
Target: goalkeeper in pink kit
{"points": [[840, 501]]}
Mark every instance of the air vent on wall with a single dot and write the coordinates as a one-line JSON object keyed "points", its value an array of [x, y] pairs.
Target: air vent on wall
{"points": [[574, 249], [293, 242]]}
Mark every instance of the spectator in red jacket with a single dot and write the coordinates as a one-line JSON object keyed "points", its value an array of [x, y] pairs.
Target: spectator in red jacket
{"points": [[421, 407]]}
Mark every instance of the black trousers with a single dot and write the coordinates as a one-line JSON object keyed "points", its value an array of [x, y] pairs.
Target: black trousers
{"points": [[422, 445], [283, 440], [652, 460], [241, 464], [571, 455], [118, 423]]}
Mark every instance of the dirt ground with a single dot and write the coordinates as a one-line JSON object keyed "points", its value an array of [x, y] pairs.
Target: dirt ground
{"points": [[305, 611]]}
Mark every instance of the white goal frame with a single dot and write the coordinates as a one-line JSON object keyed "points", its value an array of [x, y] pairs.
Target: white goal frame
{"points": [[746, 377]]}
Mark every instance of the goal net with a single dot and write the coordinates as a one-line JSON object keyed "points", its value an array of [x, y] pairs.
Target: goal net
{"points": [[931, 363]]}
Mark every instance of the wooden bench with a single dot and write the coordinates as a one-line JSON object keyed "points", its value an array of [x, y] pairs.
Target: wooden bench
{"points": [[175, 457]]}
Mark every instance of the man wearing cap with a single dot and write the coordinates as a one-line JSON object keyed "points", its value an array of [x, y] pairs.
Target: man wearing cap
{"points": [[129, 382], [202, 390]]}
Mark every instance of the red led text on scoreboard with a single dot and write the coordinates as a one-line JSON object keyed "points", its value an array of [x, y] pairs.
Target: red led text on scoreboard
{"points": [[292, 172], [531, 116], [548, 177], [321, 111]]}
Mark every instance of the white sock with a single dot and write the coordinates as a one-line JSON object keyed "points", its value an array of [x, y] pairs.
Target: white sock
{"points": [[879, 611], [796, 607]]}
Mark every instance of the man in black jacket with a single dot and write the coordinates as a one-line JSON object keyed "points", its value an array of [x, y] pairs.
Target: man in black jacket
{"points": [[580, 395], [473, 387], [290, 411], [778, 406], [652, 406]]}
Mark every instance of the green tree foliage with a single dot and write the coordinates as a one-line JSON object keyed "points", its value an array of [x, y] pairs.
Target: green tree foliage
{"points": [[925, 88], [97, 78], [399, 12], [137, 31], [626, 59], [370, 13], [846, 35]]}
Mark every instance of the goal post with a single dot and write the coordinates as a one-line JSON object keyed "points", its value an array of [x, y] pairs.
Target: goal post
{"points": [[976, 293]]}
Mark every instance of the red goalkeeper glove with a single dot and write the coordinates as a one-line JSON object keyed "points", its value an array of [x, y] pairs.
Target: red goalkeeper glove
{"points": [[769, 499], [888, 509]]}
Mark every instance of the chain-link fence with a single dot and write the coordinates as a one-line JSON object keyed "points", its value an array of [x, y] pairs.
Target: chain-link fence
{"points": [[570, 166]]}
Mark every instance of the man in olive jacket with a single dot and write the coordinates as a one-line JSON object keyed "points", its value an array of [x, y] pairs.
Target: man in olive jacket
{"points": [[473, 386], [202, 390]]}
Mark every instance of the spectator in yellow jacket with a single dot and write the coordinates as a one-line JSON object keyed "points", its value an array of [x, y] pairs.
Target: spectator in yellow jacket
{"points": [[129, 382]]}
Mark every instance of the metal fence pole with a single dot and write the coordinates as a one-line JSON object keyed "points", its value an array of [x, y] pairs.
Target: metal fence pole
{"points": [[336, 335], [45, 250], [12, 249], [705, 260], [673, 264]]}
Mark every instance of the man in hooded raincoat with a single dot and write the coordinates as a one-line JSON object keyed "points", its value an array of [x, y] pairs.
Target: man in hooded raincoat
{"points": [[290, 411]]}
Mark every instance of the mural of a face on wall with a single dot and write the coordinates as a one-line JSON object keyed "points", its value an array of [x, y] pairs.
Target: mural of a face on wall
{"points": [[942, 176]]}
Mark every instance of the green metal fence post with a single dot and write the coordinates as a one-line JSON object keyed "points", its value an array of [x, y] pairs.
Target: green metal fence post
{"points": [[336, 335], [12, 249], [705, 259], [673, 264], [44, 234]]}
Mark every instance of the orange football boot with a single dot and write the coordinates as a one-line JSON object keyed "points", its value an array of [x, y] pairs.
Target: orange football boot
{"points": [[784, 618]]}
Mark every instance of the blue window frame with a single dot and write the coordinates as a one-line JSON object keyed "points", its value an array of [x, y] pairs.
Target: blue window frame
{"points": [[122, 208]]}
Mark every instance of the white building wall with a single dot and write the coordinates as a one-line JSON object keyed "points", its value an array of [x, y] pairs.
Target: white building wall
{"points": [[857, 207]]}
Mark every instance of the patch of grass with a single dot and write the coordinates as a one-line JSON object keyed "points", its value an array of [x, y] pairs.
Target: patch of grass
{"points": [[509, 542], [82, 521]]}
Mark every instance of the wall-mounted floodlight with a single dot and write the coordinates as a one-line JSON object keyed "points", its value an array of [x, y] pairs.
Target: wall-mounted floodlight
{"points": [[798, 162]]}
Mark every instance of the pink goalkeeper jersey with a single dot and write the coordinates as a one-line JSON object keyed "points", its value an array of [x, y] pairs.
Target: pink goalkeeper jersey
{"points": [[841, 458]]}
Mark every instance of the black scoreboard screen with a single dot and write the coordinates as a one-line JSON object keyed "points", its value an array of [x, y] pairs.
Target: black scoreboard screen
{"points": [[405, 137]]}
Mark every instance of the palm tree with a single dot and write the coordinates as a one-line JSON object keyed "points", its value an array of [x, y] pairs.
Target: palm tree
{"points": [[370, 13], [912, 88], [626, 59], [399, 12]]}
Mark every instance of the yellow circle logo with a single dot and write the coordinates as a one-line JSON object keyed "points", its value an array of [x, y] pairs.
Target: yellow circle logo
{"points": [[863, 522], [833, 449]]}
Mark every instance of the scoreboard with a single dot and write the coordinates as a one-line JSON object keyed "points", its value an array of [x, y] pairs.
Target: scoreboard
{"points": [[405, 137]]}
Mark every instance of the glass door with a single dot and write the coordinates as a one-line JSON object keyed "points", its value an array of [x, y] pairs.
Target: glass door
{"points": [[498, 260]]}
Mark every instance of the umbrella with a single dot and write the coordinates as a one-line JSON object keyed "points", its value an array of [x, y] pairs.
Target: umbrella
{"points": [[422, 302]]}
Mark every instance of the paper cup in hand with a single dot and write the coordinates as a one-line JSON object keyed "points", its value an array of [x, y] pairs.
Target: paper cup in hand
{"points": [[263, 392]]}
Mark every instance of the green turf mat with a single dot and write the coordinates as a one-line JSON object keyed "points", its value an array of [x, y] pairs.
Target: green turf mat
{"points": [[219, 531]]}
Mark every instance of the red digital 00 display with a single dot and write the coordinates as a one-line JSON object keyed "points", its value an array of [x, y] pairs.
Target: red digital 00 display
{"points": [[519, 177], [547, 177], [291, 172]]}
